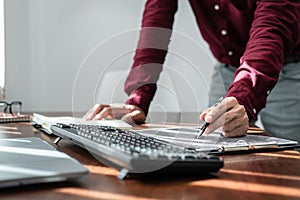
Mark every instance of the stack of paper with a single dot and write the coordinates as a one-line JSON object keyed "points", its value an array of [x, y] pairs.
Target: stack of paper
{"points": [[44, 123]]}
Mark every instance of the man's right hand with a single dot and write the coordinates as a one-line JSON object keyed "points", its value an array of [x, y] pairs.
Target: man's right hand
{"points": [[128, 113]]}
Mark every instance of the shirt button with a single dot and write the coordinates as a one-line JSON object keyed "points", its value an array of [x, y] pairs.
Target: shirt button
{"points": [[223, 32], [230, 53], [216, 7]]}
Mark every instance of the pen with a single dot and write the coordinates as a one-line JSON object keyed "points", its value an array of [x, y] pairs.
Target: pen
{"points": [[205, 125]]}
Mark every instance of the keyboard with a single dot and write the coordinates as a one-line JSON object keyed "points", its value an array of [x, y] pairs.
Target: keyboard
{"points": [[130, 152]]}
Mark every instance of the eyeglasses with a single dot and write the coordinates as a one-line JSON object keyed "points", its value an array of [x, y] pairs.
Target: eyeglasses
{"points": [[14, 108]]}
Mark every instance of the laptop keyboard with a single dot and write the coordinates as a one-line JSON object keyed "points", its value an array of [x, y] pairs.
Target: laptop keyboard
{"points": [[131, 152]]}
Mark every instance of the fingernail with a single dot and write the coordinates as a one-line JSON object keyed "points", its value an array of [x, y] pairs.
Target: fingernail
{"points": [[208, 118], [98, 117]]}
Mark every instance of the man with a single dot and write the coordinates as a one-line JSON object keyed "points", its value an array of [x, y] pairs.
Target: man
{"points": [[257, 43]]}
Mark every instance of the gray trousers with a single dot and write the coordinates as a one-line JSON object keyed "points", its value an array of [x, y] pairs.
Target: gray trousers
{"points": [[281, 116]]}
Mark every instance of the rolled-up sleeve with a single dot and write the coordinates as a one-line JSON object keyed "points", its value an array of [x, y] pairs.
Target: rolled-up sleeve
{"points": [[273, 37], [158, 18]]}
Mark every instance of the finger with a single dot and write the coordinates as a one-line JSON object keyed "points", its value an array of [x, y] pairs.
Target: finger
{"points": [[234, 122], [94, 111], [235, 117], [215, 112], [229, 129], [224, 120], [117, 113], [132, 108], [105, 113], [112, 113], [237, 125], [89, 114], [136, 116], [217, 123], [237, 131], [203, 114]]}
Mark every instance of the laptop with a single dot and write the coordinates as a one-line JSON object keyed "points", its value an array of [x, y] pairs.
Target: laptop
{"points": [[31, 160]]}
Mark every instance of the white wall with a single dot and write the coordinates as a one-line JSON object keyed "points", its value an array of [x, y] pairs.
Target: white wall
{"points": [[2, 44], [48, 41]]}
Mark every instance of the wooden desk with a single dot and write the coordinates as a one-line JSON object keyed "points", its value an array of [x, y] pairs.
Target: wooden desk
{"points": [[252, 176]]}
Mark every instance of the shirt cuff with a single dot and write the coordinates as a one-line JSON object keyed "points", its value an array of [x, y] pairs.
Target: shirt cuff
{"points": [[250, 87], [142, 97], [239, 92]]}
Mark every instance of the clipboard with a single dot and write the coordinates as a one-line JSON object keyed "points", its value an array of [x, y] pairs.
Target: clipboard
{"points": [[216, 144]]}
